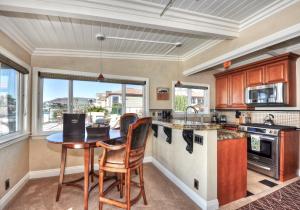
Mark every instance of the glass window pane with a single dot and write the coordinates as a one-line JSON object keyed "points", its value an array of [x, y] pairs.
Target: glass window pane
{"points": [[135, 99], [101, 101], [55, 103], [9, 91], [181, 99], [191, 97]]}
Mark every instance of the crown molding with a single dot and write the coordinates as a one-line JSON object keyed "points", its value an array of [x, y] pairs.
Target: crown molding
{"points": [[96, 54], [266, 12], [129, 12], [275, 38], [12, 32]]}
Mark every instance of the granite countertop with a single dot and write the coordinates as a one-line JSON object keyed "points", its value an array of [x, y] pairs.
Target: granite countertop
{"points": [[224, 134], [181, 124]]}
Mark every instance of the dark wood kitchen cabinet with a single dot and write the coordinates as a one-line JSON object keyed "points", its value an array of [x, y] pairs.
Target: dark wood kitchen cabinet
{"points": [[276, 72], [255, 76], [237, 84], [231, 84], [222, 90]]}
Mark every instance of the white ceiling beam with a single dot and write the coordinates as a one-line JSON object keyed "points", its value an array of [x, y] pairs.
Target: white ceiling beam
{"points": [[129, 12]]}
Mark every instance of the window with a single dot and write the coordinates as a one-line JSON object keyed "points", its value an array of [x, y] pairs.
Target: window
{"points": [[102, 102], [135, 99], [11, 91], [55, 103], [190, 94]]}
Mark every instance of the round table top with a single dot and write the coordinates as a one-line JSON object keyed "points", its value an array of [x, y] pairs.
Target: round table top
{"points": [[58, 138]]}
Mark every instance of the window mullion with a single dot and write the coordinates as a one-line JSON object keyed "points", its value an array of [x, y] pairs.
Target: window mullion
{"points": [[70, 97], [123, 98]]}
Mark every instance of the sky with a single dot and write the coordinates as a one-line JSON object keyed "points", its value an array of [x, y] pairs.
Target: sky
{"points": [[55, 88]]}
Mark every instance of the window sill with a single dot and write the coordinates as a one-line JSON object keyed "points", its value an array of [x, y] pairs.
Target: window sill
{"points": [[8, 140]]}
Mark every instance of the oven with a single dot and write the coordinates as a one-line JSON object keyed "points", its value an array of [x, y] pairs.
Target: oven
{"points": [[265, 158], [265, 95]]}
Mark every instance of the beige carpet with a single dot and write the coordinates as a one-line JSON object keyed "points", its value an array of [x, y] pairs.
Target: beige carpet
{"points": [[40, 194]]}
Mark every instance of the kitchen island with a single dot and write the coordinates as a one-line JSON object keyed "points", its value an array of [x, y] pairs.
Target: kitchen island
{"points": [[186, 152]]}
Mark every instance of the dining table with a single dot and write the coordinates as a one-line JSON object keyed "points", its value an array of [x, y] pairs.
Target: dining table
{"points": [[87, 143]]}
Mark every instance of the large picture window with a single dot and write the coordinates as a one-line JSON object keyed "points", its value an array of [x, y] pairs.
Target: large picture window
{"points": [[102, 102], [190, 94], [11, 91]]}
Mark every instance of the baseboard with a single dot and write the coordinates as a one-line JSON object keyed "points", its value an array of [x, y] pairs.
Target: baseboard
{"points": [[68, 170], [13, 191], [202, 203]]}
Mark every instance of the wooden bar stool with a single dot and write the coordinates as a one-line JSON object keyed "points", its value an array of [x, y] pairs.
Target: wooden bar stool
{"points": [[122, 159]]}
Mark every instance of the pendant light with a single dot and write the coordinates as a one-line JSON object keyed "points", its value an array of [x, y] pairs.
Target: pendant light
{"points": [[100, 38], [178, 83]]}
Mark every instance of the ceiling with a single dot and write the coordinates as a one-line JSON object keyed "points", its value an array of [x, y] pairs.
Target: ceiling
{"points": [[237, 10], [53, 27]]}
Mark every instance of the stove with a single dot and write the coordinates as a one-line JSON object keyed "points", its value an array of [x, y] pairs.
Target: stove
{"points": [[263, 143]]}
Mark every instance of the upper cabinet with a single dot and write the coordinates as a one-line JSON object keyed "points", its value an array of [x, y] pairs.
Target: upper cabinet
{"points": [[276, 72], [222, 90], [231, 84], [255, 76]]}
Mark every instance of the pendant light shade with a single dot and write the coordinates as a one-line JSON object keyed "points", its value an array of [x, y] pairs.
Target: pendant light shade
{"points": [[100, 77], [178, 84], [100, 37]]}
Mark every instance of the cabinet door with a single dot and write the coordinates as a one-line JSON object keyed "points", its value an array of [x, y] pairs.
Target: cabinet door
{"points": [[222, 92], [276, 72], [237, 90], [255, 76]]}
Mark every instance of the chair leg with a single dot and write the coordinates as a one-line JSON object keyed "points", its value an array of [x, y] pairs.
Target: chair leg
{"points": [[117, 179], [121, 185], [92, 164], [101, 182], [141, 173], [62, 171], [127, 187]]}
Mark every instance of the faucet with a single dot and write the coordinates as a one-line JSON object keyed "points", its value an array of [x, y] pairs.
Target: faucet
{"points": [[186, 109]]}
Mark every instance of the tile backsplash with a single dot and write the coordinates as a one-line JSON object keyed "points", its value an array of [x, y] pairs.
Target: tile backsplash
{"points": [[289, 118]]}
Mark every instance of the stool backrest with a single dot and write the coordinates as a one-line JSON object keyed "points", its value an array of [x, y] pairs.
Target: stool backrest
{"points": [[136, 141], [126, 120]]}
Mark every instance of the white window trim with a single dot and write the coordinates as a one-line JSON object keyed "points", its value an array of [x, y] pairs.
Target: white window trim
{"points": [[36, 131], [180, 114], [23, 133]]}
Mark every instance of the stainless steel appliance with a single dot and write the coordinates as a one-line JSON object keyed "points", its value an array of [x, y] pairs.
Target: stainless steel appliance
{"points": [[223, 119], [265, 95], [264, 160]]}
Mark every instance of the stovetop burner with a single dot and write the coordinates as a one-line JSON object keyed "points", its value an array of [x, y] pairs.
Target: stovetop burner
{"points": [[277, 127]]}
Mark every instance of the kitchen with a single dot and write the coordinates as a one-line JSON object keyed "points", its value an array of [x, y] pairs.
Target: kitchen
{"points": [[219, 80]]}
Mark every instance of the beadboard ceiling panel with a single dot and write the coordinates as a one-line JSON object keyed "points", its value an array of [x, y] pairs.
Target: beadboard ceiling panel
{"points": [[237, 10], [45, 32]]}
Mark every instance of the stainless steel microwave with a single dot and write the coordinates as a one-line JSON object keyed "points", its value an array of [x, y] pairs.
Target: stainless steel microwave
{"points": [[266, 95]]}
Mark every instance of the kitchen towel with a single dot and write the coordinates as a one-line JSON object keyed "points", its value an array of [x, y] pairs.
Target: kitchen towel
{"points": [[255, 143]]}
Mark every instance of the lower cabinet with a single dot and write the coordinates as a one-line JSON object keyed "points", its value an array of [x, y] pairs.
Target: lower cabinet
{"points": [[232, 170], [289, 155]]}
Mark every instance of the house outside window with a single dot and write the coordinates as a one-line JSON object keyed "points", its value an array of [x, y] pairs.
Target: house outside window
{"points": [[191, 94], [102, 102], [11, 100]]}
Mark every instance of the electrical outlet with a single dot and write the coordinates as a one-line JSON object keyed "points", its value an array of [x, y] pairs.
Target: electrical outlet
{"points": [[7, 184], [196, 184], [198, 139]]}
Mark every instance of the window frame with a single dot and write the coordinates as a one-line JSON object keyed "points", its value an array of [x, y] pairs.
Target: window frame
{"points": [[37, 94], [21, 110], [181, 113]]}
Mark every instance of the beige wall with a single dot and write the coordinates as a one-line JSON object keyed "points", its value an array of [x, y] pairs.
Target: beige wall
{"points": [[277, 22], [14, 160], [14, 163]]}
